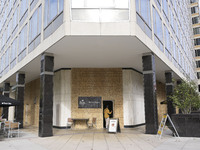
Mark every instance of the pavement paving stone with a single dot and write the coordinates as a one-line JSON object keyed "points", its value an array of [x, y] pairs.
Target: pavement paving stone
{"points": [[128, 139]]}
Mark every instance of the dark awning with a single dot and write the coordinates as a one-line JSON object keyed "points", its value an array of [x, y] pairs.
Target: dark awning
{"points": [[6, 101]]}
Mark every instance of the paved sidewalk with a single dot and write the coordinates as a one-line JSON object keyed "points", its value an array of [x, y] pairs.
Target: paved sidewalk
{"points": [[129, 139]]}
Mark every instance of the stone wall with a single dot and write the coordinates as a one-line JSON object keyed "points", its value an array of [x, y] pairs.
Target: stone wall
{"points": [[106, 83], [161, 96], [31, 103]]}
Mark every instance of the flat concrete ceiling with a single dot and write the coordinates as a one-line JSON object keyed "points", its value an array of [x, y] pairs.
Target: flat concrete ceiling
{"points": [[95, 52]]}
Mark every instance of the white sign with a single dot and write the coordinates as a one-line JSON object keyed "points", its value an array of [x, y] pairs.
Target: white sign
{"points": [[113, 125]]}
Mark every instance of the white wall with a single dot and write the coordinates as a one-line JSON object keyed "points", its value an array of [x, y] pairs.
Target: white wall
{"points": [[11, 111], [133, 98], [62, 98]]}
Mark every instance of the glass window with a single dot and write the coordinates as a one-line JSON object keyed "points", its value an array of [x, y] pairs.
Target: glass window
{"points": [[196, 42], [15, 19], [10, 4], [61, 5], [158, 4], [52, 9], [198, 75], [157, 22], [13, 53], [165, 7], [2, 62], [194, 10], [167, 39], [6, 58], [22, 39], [9, 29], [197, 52], [195, 20], [193, 1], [198, 64], [35, 24], [32, 4], [100, 10], [144, 10], [23, 8], [196, 30]]}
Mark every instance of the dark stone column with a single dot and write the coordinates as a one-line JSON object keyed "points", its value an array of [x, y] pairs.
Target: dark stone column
{"points": [[169, 86], [6, 92], [46, 96], [19, 110], [151, 115]]}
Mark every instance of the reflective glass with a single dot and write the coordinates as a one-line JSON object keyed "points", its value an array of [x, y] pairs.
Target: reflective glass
{"points": [[108, 15], [86, 14], [61, 5], [53, 9]]}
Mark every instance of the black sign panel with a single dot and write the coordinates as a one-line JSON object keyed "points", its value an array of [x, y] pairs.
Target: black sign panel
{"points": [[89, 102]]}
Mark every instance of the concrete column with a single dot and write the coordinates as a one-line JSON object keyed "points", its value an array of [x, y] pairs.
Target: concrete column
{"points": [[19, 110], [149, 77], [169, 86], [46, 96], [6, 92]]}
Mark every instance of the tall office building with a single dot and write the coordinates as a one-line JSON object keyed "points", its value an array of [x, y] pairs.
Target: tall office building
{"points": [[71, 58], [194, 4]]}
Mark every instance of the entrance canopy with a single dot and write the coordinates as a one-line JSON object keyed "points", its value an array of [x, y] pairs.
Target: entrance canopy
{"points": [[6, 101]]}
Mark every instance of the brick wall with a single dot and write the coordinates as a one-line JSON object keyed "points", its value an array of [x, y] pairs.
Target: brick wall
{"points": [[106, 83]]}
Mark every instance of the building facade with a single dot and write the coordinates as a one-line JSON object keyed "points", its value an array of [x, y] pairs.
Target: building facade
{"points": [[194, 4], [63, 57]]}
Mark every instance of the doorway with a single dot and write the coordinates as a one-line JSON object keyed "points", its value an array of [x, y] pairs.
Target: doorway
{"points": [[108, 103]]}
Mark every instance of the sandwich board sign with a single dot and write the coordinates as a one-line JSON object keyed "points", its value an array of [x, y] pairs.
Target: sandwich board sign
{"points": [[114, 125]]}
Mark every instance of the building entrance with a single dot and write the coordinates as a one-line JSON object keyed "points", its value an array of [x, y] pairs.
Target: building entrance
{"points": [[108, 103]]}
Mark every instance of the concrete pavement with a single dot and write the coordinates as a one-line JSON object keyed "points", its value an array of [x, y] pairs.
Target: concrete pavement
{"points": [[128, 139]]}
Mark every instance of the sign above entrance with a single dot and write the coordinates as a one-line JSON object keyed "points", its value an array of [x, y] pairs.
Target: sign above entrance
{"points": [[89, 102]]}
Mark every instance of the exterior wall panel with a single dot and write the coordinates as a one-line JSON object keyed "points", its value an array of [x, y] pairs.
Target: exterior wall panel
{"points": [[106, 83]]}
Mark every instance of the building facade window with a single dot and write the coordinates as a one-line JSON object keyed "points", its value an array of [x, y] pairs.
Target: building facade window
{"points": [[158, 4], [22, 43], [199, 88], [33, 3], [9, 30], [15, 20], [195, 20], [10, 4], [194, 10], [13, 53], [197, 52], [6, 66], [23, 8], [165, 8], [52, 9], [196, 30], [193, 1], [143, 9], [100, 10], [158, 32], [2, 64], [198, 64], [197, 42], [35, 24], [198, 75]]}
